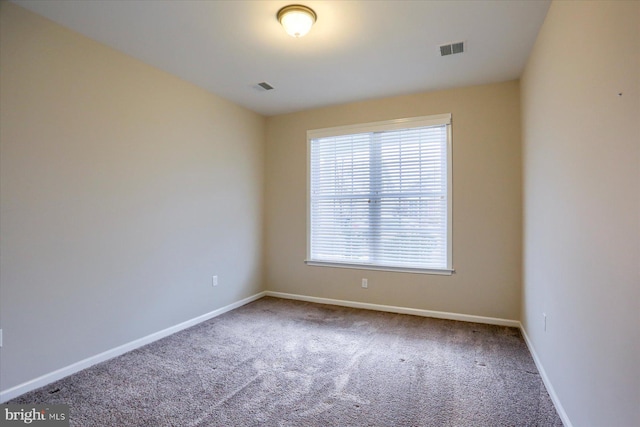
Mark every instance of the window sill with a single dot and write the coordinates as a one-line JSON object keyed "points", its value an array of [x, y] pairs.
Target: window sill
{"points": [[440, 272]]}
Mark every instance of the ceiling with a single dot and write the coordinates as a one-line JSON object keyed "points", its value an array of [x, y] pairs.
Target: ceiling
{"points": [[357, 50]]}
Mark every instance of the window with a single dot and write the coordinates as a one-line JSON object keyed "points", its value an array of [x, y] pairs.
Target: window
{"points": [[380, 195]]}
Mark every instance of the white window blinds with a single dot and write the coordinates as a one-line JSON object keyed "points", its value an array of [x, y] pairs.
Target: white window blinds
{"points": [[379, 195]]}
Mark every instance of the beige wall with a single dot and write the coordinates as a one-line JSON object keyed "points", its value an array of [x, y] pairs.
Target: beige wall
{"points": [[581, 204], [486, 210], [123, 190]]}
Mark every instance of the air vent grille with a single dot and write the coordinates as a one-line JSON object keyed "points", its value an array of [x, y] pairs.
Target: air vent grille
{"points": [[451, 48], [265, 86]]}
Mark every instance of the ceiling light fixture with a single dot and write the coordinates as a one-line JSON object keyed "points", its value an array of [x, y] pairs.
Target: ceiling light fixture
{"points": [[296, 19]]}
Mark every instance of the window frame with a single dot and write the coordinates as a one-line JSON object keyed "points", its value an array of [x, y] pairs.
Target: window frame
{"points": [[387, 125]]}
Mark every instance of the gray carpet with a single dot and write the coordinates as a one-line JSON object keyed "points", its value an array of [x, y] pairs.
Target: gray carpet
{"points": [[277, 362]]}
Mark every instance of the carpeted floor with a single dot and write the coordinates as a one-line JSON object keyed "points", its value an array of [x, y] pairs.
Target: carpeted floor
{"points": [[278, 362]]}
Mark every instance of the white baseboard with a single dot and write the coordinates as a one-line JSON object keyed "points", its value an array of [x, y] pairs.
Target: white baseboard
{"points": [[117, 351], [400, 310], [545, 379]]}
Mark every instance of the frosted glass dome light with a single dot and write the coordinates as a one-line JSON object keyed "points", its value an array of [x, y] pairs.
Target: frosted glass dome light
{"points": [[296, 19]]}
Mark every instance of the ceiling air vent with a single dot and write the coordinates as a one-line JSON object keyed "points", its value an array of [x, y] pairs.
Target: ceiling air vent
{"points": [[265, 86], [451, 48]]}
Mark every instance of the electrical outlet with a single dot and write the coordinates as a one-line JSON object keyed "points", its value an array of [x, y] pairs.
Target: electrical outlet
{"points": [[214, 281], [544, 316], [365, 283]]}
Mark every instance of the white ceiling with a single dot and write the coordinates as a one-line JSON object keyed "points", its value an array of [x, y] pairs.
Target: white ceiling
{"points": [[357, 50]]}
